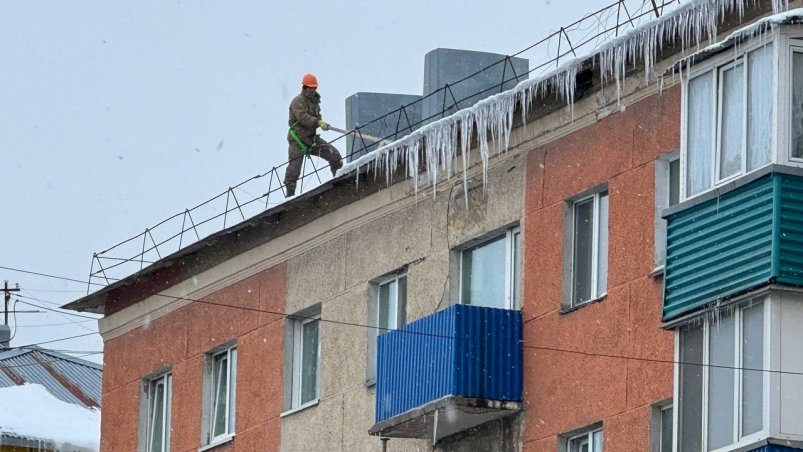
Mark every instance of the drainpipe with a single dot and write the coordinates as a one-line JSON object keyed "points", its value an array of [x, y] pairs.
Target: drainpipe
{"points": [[384, 444]]}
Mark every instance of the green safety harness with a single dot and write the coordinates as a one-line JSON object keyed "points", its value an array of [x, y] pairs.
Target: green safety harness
{"points": [[307, 149]]}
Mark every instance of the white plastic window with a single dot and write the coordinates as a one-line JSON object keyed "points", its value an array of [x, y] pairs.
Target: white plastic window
{"points": [[159, 395], [728, 128], [387, 309], [490, 273], [223, 396], [589, 248], [305, 362], [587, 442], [721, 383]]}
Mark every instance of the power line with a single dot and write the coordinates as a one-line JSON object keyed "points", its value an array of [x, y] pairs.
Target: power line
{"points": [[46, 275], [51, 324], [656, 360], [56, 340], [54, 290], [53, 310], [438, 336]]}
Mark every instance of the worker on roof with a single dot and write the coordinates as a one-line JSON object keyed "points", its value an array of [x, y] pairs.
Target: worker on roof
{"points": [[305, 118]]}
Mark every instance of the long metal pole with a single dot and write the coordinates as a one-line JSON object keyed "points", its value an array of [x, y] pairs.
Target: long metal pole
{"points": [[7, 298]]}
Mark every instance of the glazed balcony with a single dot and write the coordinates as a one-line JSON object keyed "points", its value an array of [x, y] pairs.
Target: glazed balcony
{"points": [[734, 240]]}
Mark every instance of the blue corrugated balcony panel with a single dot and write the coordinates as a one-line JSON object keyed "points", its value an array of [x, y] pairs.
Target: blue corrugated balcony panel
{"points": [[735, 240], [450, 371]]}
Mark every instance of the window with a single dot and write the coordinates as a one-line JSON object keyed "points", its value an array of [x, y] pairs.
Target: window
{"points": [[797, 103], [728, 114], [661, 427], [667, 194], [721, 385], [490, 272], [158, 395], [386, 309], [588, 261], [302, 357], [586, 442], [220, 388]]}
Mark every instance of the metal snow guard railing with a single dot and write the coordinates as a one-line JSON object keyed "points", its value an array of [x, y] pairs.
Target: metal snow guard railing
{"points": [[213, 215], [466, 351]]}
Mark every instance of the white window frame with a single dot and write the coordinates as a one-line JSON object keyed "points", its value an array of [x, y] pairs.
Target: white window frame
{"points": [[297, 368], [588, 437], [738, 439], [785, 66], [512, 255], [716, 66], [149, 385], [374, 312], [398, 302], [720, 92], [661, 431], [596, 292], [211, 401], [657, 432]]}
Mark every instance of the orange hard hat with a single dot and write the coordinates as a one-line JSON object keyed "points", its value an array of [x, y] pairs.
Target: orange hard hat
{"points": [[309, 80]]}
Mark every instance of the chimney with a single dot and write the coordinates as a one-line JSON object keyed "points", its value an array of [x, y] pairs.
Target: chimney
{"points": [[451, 66], [362, 108], [5, 336]]}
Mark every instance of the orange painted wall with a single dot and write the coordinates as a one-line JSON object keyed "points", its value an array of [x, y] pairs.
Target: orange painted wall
{"points": [[567, 383], [179, 340]]}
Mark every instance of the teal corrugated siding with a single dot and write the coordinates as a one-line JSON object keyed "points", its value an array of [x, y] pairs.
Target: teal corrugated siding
{"points": [[790, 259], [718, 248]]}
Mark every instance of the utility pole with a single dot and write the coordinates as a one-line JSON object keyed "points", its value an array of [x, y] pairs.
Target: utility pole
{"points": [[7, 291]]}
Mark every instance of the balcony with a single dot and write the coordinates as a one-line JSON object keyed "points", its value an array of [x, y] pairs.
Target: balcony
{"points": [[448, 372], [733, 240]]}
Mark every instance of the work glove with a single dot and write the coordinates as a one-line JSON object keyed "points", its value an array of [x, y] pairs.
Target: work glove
{"points": [[323, 124]]}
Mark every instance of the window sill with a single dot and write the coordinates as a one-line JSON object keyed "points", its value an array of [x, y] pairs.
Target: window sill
{"points": [[303, 407], [568, 309], [220, 441]]}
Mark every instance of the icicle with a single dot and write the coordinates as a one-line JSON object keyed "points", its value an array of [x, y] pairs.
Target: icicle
{"points": [[689, 24]]}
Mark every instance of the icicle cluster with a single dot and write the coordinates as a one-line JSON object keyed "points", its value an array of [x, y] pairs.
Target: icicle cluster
{"points": [[443, 140]]}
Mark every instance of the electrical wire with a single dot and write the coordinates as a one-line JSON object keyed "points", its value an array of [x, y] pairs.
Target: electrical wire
{"points": [[53, 310], [45, 275], [438, 336], [54, 291], [42, 325], [57, 340]]}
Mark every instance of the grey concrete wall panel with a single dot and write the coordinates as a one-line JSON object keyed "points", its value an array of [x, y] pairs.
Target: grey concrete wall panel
{"points": [[447, 66], [362, 108]]}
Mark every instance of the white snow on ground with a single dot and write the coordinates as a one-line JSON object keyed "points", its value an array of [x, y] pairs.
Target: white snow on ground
{"points": [[689, 24], [30, 411]]}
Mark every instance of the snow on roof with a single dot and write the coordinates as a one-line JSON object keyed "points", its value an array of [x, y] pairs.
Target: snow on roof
{"points": [[688, 24], [31, 412], [71, 379]]}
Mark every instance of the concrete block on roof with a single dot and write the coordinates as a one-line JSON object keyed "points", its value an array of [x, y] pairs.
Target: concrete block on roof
{"points": [[363, 108], [449, 66]]}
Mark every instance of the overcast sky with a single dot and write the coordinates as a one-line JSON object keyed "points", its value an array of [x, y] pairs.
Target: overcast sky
{"points": [[116, 115]]}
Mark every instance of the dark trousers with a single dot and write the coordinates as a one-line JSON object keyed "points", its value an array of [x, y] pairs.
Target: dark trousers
{"points": [[321, 149]]}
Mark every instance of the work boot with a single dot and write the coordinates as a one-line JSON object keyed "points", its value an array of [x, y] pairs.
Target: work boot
{"points": [[291, 191], [335, 166]]}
